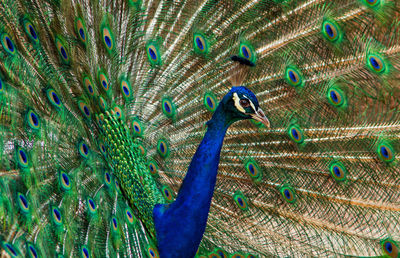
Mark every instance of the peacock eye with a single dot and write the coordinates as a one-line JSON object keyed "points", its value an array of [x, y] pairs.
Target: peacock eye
{"points": [[245, 103]]}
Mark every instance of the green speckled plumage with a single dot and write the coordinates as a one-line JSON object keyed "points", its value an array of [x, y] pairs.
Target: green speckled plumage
{"points": [[130, 168]]}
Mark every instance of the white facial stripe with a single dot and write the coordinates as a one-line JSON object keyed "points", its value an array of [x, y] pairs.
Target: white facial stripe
{"points": [[236, 99], [251, 104]]}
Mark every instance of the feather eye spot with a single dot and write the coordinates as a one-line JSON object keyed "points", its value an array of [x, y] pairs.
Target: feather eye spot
{"points": [[376, 63], [85, 252], [238, 256], [390, 248], [153, 253], [210, 101], [84, 109], [288, 194], [10, 249], [293, 77], [22, 158], [336, 171], [62, 50], [108, 39], [153, 54], [240, 201], [30, 31], [82, 34], [129, 215], [336, 97], [89, 85], [116, 184], [331, 31], [372, 3], [33, 120], [56, 215], [104, 81], [200, 44], [107, 178], [168, 107], [386, 153], [221, 253], [114, 223], [126, 88], [80, 30], [137, 127], [92, 204], [53, 98], [162, 148], [253, 169], [153, 168], [102, 148], [245, 52], [118, 112], [23, 203], [65, 181], [8, 44], [32, 251], [296, 134], [83, 150], [167, 193], [102, 103]]}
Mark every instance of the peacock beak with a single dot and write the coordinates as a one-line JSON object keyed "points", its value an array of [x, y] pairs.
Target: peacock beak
{"points": [[260, 116]]}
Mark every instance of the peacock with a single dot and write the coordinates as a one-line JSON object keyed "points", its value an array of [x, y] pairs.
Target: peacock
{"points": [[212, 128]]}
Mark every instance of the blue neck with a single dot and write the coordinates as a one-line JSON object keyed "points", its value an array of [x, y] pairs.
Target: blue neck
{"points": [[180, 226]]}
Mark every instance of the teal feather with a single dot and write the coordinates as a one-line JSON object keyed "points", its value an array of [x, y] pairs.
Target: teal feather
{"points": [[103, 105]]}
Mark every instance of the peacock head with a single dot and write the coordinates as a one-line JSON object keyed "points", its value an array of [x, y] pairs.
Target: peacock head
{"points": [[240, 103]]}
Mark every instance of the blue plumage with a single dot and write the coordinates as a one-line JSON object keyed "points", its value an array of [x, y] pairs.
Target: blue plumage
{"points": [[181, 224]]}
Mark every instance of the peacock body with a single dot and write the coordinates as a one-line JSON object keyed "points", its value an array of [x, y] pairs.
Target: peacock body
{"points": [[113, 115]]}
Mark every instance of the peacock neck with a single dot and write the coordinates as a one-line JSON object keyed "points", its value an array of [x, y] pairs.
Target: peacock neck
{"points": [[180, 226], [198, 185]]}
